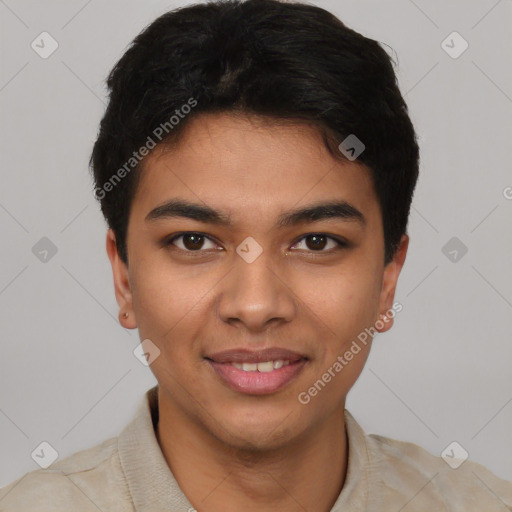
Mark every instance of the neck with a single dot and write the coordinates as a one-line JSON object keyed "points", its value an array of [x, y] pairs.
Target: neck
{"points": [[303, 474]]}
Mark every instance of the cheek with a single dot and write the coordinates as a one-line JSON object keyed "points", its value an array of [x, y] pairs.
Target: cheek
{"points": [[165, 299], [167, 308], [342, 303]]}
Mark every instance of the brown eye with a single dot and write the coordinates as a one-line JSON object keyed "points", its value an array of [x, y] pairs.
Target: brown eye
{"points": [[191, 242], [317, 242]]}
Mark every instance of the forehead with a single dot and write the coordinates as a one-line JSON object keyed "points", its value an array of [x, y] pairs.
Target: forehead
{"points": [[251, 166]]}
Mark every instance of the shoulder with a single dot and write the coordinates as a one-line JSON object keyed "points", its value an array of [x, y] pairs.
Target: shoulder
{"points": [[411, 473], [86, 480]]}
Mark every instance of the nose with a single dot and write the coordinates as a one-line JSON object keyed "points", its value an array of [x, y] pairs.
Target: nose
{"points": [[256, 295]]}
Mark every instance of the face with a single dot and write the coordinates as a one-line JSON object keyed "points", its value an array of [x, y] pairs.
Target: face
{"points": [[241, 273]]}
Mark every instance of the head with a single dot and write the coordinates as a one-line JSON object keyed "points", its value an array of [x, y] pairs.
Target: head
{"points": [[221, 127]]}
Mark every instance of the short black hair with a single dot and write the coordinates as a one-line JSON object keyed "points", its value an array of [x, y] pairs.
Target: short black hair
{"points": [[284, 60]]}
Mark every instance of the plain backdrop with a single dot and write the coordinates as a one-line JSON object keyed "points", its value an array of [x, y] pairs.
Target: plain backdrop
{"points": [[443, 373]]}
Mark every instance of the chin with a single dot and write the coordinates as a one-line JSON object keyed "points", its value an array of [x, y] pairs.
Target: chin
{"points": [[258, 436], [258, 443]]}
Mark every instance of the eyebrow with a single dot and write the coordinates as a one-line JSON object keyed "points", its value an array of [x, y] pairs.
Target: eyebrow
{"points": [[311, 213]]}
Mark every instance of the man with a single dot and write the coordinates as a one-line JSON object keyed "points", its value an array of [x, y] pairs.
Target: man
{"points": [[256, 166]]}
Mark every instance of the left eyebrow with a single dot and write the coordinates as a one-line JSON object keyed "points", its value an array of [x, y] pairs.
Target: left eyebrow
{"points": [[311, 213], [320, 211]]}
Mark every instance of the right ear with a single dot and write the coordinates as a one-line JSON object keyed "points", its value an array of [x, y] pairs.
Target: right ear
{"points": [[121, 283]]}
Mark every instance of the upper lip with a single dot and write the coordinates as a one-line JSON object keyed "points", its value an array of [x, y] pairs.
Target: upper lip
{"points": [[242, 355]]}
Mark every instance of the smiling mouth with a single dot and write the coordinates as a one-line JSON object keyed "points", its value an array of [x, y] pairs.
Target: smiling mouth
{"points": [[263, 367], [258, 378]]}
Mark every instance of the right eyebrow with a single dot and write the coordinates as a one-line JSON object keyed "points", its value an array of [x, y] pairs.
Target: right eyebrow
{"points": [[182, 208]]}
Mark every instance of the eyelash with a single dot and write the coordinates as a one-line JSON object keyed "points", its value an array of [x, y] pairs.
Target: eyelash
{"points": [[341, 244]]}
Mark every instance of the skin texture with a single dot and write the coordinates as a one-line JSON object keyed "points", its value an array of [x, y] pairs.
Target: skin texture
{"points": [[231, 451]]}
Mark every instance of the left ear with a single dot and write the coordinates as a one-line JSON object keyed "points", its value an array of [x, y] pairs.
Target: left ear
{"points": [[389, 282]]}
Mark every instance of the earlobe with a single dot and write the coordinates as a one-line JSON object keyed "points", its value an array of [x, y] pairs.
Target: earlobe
{"points": [[121, 283], [389, 282]]}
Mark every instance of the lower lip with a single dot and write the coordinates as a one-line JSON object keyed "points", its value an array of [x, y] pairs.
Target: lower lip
{"points": [[257, 383]]}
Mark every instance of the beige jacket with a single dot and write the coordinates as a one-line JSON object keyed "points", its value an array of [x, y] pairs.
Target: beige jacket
{"points": [[129, 473]]}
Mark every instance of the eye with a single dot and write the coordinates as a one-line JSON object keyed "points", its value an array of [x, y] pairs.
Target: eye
{"points": [[318, 242], [191, 241]]}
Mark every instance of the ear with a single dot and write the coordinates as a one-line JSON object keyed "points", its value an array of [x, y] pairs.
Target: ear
{"points": [[121, 283], [389, 282]]}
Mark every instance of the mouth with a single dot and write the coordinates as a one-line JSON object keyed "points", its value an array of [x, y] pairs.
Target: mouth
{"points": [[257, 373]]}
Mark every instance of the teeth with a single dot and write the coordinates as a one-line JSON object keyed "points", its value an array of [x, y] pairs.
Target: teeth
{"points": [[264, 367]]}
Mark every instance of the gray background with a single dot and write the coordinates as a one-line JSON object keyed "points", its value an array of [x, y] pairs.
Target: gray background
{"points": [[67, 372]]}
